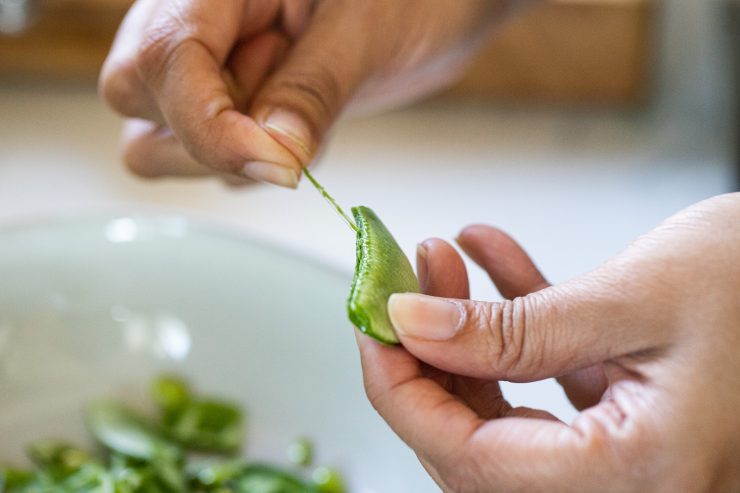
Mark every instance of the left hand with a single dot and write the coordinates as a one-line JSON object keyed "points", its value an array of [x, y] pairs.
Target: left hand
{"points": [[248, 89]]}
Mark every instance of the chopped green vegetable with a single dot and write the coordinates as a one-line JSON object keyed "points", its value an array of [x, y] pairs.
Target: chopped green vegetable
{"points": [[207, 425], [382, 269], [12, 479], [300, 452], [58, 459], [258, 478], [121, 431], [328, 480], [144, 456], [171, 394], [210, 474]]}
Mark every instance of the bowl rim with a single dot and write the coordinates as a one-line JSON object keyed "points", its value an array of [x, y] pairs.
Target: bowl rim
{"points": [[192, 225]]}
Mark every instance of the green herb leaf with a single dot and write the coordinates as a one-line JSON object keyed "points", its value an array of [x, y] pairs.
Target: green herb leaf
{"points": [[120, 430]]}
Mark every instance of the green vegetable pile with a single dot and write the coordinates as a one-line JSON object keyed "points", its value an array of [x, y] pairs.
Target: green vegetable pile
{"points": [[190, 447]]}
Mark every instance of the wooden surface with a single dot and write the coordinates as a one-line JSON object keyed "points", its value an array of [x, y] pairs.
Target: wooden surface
{"points": [[587, 51], [565, 51], [67, 41]]}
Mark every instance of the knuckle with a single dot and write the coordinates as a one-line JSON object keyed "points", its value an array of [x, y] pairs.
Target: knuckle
{"points": [[505, 324], [117, 86], [318, 93], [160, 47]]}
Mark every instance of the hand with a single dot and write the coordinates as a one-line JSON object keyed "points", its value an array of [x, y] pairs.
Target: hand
{"points": [[647, 347], [248, 89]]}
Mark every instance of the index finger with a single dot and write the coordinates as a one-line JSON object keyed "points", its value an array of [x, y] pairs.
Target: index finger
{"points": [[181, 62], [120, 84]]}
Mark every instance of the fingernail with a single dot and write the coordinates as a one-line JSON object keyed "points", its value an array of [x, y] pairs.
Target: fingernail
{"points": [[271, 173], [425, 317], [294, 132], [421, 265]]}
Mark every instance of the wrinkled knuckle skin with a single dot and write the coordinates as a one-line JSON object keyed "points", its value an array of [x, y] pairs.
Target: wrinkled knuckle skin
{"points": [[160, 46], [505, 324]]}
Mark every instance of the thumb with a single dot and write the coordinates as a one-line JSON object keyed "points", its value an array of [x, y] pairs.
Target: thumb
{"points": [[545, 334], [308, 91]]}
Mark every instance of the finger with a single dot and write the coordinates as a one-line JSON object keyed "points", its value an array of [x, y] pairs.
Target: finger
{"points": [[461, 448], [507, 264], [236, 182], [398, 391], [515, 275], [585, 388], [298, 104], [441, 270], [251, 62], [153, 151], [192, 44], [119, 84], [296, 16], [549, 333]]}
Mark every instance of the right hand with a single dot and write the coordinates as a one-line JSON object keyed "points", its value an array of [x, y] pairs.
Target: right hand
{"points": [[646, 346], [247, 89]]}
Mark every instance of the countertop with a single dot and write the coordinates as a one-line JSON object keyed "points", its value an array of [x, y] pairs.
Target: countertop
{"points": [[574, 188]]}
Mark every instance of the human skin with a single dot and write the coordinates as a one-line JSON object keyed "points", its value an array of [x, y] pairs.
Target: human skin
{"points": [[647, 347], [248, 89]]}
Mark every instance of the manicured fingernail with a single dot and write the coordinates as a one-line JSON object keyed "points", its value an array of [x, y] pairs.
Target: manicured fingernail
{"points": [[292, 132], [271, 173], [425, 317], [421, 265]]}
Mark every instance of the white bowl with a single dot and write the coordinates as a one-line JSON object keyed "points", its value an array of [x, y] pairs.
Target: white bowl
{"points": [[95, 308]]}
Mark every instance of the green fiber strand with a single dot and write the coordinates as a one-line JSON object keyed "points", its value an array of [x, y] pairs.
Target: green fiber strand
{"points": [[329, 198]]}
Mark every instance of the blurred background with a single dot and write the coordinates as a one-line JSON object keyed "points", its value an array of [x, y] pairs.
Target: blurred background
{"points": [[583, 124]]}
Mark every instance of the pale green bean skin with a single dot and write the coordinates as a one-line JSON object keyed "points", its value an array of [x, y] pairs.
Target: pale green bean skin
{"points": [[382, 269]]}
